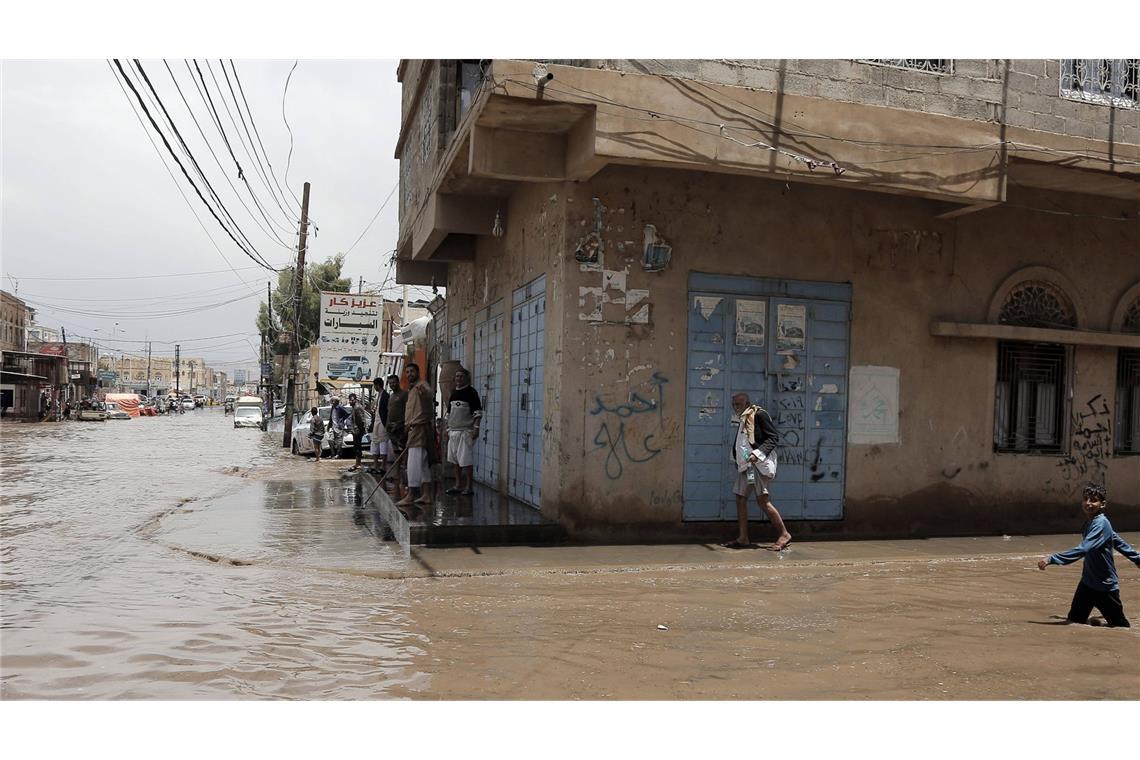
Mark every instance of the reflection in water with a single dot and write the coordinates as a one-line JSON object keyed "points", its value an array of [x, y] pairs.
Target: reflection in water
{"points": [[108, 586]]}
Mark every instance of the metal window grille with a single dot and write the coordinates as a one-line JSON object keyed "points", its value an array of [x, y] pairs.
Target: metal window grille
{"points": [[929, 65], [1110, 81], [469, 79], [1128, 401], [1031, 398]]}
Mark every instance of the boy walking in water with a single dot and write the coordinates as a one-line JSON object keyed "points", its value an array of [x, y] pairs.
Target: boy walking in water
{"points": [[1099, 586]]}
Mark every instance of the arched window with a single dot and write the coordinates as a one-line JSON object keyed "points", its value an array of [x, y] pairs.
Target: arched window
{"points": [[1038, 304], [1032, 380]]}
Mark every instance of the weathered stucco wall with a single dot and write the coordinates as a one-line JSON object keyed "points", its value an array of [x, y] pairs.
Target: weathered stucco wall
{"points": [[622, 470], [534, 222]]}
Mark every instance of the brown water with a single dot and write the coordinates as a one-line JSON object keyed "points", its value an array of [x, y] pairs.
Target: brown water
{"points": [[111, 589], [178, 558]]}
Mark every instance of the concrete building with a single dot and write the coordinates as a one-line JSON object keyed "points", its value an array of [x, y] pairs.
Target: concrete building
{"points": [[13, 324], [927, 270]]}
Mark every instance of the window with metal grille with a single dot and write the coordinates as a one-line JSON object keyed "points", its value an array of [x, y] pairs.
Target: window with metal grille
{"points": [[469, 78], [1128, 401], [929, 65], [1110, 81], [1032, 397]]}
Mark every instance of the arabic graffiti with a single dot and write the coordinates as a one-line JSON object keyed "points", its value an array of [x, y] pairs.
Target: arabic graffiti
{"points": [[612, 435], [1091, 444]]}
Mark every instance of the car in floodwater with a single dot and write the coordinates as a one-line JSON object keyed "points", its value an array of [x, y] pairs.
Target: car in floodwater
{"points": [[247, 412], [115, 412]]}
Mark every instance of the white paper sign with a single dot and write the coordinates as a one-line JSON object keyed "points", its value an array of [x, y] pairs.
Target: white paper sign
{"points": [[874, 405]]}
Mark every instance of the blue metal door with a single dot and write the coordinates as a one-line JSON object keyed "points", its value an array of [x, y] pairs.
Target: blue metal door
{"points": [[488, 364], [527, 347], [784, 343], [459, 342]]}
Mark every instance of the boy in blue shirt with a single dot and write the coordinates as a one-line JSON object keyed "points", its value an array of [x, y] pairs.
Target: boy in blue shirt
{"points": [[1099, 586]]}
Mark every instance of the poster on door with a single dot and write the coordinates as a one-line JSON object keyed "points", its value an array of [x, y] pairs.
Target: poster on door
{"points": [[791, 327], [751, 321], [350, 336]]}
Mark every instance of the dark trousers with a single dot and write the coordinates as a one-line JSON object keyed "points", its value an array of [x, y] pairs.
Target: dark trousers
{"points": [[1108, 602]]}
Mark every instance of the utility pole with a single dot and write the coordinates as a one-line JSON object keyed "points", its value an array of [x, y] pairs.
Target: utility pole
{"points": [[298, 286], [360, 287], [177, 371], [148, 369], [266, 355]]}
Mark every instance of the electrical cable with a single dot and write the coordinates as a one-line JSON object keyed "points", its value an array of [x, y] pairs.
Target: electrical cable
{"points": [[153, 93], [140, 276], [259, 169], [254, 257], [217, 161], [374, 216], [289, 160], [281, 193]]}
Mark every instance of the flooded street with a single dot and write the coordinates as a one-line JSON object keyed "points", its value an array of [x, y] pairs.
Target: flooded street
{"points": [[109, 591], [178, 558]]}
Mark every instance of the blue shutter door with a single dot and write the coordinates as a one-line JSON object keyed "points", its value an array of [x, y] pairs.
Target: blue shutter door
{"points": [[488, 362], [799, 375], [526, 414]]}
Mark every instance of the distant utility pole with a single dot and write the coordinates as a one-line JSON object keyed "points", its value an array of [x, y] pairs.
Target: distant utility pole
{"points": [[177, 370], [148, 369], [295, 347], [360, 287]]}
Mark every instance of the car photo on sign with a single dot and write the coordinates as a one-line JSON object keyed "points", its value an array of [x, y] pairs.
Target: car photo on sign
{"points": [[354, 367]]}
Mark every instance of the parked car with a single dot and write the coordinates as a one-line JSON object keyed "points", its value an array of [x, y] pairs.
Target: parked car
{"points": [[355, 367], [302, 444], [187, 403], [115, 412], [247, 412]]}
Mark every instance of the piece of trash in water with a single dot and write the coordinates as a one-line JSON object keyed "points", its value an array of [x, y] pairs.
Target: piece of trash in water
{"points": [[1007, 538], [662, 627]]}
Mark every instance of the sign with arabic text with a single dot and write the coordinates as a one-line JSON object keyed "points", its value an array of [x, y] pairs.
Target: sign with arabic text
{"points": [[350, 336]]}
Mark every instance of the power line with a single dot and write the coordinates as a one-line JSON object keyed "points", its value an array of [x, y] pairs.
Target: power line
{"points": [[289, 160], [165, 142], [142, 276], [186, 150], [258, 168], [139, 315], [181, 192], [374, 216], [218, 161], [253, 124]]}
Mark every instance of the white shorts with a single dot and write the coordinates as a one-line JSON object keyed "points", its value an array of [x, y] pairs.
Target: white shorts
{"points": [[379, 448], [459, 447], [742, 485], [418, 470]]}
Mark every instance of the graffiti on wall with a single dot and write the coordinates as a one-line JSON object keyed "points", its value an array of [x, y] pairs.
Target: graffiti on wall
{"points": [[613, 437], [1091, 445]]}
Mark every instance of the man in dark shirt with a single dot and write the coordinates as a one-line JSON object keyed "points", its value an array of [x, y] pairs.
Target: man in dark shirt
{"points": [[397, 433], [359, 427], [464, 411], [754, 453]]}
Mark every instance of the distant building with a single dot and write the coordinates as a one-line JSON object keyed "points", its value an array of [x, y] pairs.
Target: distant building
{"points": [[13, 324]]}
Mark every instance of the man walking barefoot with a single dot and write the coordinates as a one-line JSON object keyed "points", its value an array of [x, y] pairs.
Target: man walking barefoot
{"points": [[754, 452]]}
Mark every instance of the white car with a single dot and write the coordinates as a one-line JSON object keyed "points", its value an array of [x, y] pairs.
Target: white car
{"points": [[247, 416], [115, 412], [188, 403], [302, 444]]}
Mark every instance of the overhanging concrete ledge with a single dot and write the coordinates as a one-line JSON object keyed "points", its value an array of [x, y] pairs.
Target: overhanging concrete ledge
{"points": [[1034, 334]]}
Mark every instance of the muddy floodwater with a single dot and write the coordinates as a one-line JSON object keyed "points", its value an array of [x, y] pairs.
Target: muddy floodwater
{"points": [[178, 558]]}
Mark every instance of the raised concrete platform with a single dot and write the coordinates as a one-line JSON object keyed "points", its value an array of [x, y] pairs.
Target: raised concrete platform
{"points": [[486, 518]]}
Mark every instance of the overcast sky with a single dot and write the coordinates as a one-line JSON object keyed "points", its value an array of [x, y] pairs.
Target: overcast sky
{"points": [[85, 194]]}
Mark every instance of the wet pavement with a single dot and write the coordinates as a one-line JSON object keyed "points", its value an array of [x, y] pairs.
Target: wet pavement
{"points": [[178, 558]]}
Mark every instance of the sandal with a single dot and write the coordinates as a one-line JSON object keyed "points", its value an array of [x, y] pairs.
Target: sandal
{"points": [[778, 547], [734, 544]]}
